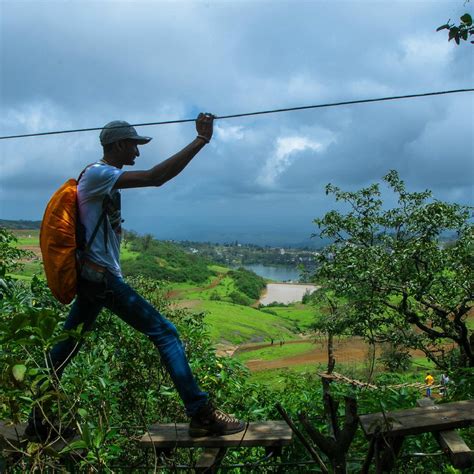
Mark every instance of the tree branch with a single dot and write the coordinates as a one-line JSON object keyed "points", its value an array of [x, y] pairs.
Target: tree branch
{"points": [[413, 318], [438, 309], [350, 424], [326, 445]]}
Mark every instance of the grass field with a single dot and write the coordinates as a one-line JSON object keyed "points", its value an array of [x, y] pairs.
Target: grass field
{"points": [[298, 315], [236, 324], [221, 287], [29, 240], [127, 254], [276, 379], [276, 351]]}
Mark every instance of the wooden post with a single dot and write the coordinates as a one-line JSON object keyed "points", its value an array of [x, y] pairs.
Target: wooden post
{"points": [[370, 455], [389, 428], [336, 446], [331, 358], [305, 443], [389, 448], [210, 460], [451, 443]]}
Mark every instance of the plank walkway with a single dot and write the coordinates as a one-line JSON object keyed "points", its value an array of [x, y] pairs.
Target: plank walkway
{"points": [[272, 435], [386, 431], [358, 383], [420, 420], [263, 433], [451, 443]]}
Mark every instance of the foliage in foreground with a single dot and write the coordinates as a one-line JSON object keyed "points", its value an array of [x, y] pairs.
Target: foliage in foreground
{"points": [[460, 32], [116, 387], [398, 281]]}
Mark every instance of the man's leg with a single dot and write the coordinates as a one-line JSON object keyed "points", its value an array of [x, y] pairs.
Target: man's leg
{"points": [[84, 310], [133, 309], [141, 315]]}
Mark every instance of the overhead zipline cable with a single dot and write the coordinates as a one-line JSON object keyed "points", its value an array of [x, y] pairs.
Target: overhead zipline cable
{"points": [[274, 111]]}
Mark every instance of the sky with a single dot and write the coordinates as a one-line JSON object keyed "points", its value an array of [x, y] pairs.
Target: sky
{"points": [[79, 64]]}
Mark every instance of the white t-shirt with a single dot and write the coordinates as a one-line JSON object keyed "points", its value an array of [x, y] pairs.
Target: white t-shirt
{"points": [[97, 182]]}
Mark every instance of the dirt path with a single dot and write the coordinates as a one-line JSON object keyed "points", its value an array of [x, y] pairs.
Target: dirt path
{"points": [[352, 350], [179, 293]]}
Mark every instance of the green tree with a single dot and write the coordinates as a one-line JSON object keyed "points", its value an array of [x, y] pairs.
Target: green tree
{"points": [[402, 284], [461, 31]]}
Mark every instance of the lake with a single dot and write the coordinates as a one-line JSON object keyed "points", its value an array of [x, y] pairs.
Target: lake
{"points": [[276, 273]]}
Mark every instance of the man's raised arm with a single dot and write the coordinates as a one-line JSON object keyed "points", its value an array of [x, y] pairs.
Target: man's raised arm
{"points": [[168, 169]]}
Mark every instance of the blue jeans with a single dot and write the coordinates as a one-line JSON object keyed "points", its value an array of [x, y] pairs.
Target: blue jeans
{"points": [[113, 293]]}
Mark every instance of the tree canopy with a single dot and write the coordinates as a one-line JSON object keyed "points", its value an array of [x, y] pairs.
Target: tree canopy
{"points": [[405, 272]]}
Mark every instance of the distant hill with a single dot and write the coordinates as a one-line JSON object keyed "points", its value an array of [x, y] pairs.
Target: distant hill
{"points": [[21, 224]]}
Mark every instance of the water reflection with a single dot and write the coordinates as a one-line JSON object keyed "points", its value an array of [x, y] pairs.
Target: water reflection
{"points": [[279, 273]]}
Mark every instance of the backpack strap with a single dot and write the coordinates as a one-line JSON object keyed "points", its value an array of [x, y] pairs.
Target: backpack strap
{"points": [[102, 219]]}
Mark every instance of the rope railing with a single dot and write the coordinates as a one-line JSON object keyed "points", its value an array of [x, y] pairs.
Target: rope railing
{"points": [[358, 383]]}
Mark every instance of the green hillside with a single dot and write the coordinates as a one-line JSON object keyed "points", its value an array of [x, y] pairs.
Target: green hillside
{"points": [[237, 324], [19, 224], [226, 297]]}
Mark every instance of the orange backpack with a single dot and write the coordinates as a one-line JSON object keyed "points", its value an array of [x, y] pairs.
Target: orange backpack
{"points": [[61, 236]]}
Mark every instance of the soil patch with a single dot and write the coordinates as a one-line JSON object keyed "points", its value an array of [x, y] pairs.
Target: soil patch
{"points": [[353, 350]]}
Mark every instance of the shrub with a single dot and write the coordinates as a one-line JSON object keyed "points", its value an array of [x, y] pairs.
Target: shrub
{"points": [[248, 282], [395, 358]]}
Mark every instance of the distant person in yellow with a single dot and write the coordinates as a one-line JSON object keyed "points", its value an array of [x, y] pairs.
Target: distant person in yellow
{"points": [[429, 380]]}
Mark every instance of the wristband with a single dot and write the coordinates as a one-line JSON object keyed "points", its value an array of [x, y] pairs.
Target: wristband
{"points": [[202, 137]]}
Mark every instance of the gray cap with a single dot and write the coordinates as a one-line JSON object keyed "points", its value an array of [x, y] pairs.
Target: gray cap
{"points": [[120, 130]]}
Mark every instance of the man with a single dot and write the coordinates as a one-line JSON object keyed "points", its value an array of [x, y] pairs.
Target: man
{"points": [[444, 381], [100, 281]]}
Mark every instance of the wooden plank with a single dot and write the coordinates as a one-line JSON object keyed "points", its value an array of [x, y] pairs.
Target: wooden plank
{"points": [[451, 442], [461, 456], [419, 420], [263, 433], [425, 402], [12, 438]]}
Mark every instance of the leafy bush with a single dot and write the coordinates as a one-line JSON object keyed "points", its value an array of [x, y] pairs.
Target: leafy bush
{"points": [[394, 357], [114, 388], [239, 298], [164, 261], [248, 282]]}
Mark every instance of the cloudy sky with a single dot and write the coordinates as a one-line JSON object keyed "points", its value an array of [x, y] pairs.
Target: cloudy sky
{"points": [[77, 64]]}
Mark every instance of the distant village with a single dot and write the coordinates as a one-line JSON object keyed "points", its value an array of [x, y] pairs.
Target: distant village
{"points": [[235, 254]]}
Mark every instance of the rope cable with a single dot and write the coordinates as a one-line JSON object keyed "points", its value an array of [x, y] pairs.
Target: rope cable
{"points": [[247, 114]]}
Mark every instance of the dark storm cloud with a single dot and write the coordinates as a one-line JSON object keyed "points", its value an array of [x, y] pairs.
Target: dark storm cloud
{"points": [[75, 64]]}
